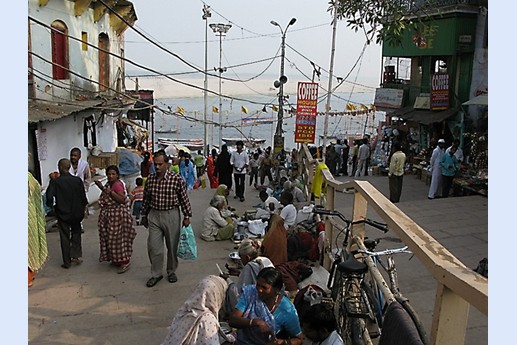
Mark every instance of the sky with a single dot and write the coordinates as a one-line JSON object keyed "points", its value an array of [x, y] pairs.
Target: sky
{"points": [[251, 43]]}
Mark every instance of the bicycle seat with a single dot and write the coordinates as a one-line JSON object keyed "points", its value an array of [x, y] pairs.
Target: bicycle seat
{"points": [[351, 265]]}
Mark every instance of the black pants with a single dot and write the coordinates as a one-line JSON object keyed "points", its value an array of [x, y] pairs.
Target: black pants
{"points": [[70, 236], [446, 185], [240, 183], [395, 183], [254, 175], [264, 173]]}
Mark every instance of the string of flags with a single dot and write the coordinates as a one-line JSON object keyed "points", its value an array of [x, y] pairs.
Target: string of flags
{"points": [[350, 109]]}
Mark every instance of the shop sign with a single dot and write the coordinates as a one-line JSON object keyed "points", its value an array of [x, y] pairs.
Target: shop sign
{"points": [[306, 111], [439, 91], [388, 98]]}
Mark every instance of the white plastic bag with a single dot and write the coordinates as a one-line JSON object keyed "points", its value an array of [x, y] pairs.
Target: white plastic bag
{"points": [[257, 227]]}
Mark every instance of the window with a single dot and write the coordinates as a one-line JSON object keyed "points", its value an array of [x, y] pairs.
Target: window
{"points": [[104, 62], [84, 39], [59, 42]]}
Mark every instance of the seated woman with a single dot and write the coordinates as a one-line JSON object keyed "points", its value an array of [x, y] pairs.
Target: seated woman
{"points": [[223, 190], [197, 321], [264, 315], [216, 227], [274, 245], [249, 252]]}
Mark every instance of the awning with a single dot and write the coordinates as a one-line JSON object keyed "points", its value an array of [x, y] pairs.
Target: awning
{"points": [[50, 111], [478, 100], [425, 117]]}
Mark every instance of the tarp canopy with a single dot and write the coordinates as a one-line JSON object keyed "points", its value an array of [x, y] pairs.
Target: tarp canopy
{"points": [[478, 100], [425, 117]]}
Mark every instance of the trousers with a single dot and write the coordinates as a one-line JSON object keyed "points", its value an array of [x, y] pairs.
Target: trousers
{"points": [[164, 226]]}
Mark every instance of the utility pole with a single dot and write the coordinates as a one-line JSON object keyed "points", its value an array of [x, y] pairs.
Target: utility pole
{"points": [[220, 30], [329, 90], [279, 138], [206, 14]]}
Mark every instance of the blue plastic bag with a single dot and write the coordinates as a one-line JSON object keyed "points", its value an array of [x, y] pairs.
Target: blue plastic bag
{"points": [[187, 248]]}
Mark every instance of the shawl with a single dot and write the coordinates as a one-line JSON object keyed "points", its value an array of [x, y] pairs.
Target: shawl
{"points": [[197, 321], [319, 184], [38, 251], [274, 245]]}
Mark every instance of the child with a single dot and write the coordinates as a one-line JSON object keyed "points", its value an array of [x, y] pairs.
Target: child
{"points": [[254, 169], [137, 196], [319, 325]]}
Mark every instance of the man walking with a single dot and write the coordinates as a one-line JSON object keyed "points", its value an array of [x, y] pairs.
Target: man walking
{"points": [[164, 194], [362, 155], [70, 200], [240, 161], [81, 168], [396, 172], [436, 170]]}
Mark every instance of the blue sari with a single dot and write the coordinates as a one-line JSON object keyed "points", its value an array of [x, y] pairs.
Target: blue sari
{"points": [[283, 318]]}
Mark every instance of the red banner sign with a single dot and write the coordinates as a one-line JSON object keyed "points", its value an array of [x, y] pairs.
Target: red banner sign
{"points": [[306, 111]]}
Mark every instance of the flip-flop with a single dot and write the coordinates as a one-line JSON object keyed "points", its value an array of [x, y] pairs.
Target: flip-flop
{"points": [[123, 268]]}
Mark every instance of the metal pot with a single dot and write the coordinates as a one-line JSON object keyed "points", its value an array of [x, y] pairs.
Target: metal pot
{"points": [[241, 227]]}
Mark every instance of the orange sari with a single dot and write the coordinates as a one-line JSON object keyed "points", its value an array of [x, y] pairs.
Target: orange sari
{"points": [[274, 245]]}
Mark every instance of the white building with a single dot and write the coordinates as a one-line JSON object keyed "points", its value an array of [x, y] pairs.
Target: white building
{"points": [[76, 80]]}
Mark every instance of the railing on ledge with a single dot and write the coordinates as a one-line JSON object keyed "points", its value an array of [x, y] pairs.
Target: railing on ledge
{"points": [[458, 286]]}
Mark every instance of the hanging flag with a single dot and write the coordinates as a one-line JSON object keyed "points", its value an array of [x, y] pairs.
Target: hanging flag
{"points": [[244, 109], [214, 109], [364, 107], [351, 106], [275, 108], [264, 109], [180, 110]]}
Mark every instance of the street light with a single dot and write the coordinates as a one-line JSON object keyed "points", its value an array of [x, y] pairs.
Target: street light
{"points": [[220, 30], [206, 14], [279, 139]]}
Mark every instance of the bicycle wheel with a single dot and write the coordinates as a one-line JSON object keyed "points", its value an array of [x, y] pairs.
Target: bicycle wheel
{"points": [[374, 319], [414, 316]]}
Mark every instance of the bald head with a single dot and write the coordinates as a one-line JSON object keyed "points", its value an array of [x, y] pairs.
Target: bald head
{"points": [[64, 165]]}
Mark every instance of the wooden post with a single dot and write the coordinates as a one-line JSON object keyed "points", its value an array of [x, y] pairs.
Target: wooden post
{"points": [[450, 318], [358, 212]]}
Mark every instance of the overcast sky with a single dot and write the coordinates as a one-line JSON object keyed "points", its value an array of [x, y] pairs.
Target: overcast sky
{"points": [[178, 26]]}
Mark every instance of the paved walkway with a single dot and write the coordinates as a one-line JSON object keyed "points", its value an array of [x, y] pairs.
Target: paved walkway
{"points": [[92, 304]]}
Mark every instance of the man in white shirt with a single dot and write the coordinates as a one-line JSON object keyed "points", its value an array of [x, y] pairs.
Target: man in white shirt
{"points": [[239, 160], [80, 168], [289, 212], [362, 156]]}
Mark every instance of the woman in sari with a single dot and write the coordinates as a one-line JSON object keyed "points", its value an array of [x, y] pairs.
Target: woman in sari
{"points": [[274, 245], [37, 245], [116, 230], [264, 315], [223, 190], [197, 321], [210, 169]]}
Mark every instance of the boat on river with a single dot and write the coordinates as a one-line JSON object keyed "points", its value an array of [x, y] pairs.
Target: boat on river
{"points": [[248, 142]]}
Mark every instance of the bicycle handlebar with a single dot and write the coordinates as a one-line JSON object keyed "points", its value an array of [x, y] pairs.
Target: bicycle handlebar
{"points": [[378, 225], [386, 251]]}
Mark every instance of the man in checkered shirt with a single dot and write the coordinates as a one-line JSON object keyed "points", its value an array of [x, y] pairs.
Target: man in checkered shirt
{"points": [[164, 194]]}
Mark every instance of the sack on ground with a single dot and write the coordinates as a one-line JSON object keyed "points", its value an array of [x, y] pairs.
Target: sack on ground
{"points": [[257, 227], [187, 248]]}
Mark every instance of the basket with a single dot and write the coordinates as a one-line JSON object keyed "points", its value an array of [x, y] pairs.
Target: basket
{"points": [[103, 160]]}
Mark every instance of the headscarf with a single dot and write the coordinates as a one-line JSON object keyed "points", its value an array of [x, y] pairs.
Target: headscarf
{"points": [[221, 190], [197, 321], [274, 245]]}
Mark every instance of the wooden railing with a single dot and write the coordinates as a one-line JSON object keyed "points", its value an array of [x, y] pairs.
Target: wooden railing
{"points": [[458, 286]]}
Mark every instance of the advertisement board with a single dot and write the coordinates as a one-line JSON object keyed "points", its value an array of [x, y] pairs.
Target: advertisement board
{"points": [[306, 112]]}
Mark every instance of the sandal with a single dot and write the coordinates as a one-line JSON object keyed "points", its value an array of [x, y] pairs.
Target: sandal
{"points": [[123, 268], [153, 281]]}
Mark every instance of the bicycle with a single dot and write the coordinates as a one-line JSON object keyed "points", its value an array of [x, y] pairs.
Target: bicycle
{"points": [[359, 305], [355, 315]]}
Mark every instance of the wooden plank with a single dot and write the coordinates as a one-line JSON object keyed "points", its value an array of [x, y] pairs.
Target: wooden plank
{"points": [[450, 318]]}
